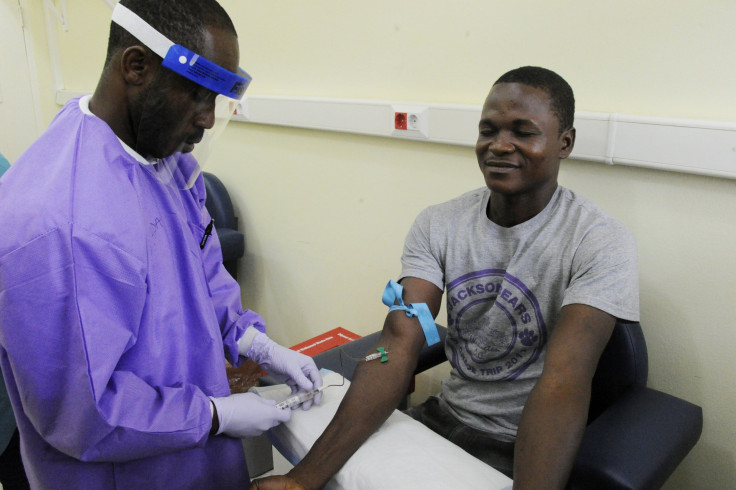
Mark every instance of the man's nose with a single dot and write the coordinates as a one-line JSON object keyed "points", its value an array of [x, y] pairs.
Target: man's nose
{"points": [[501, 144], [205, 117]]}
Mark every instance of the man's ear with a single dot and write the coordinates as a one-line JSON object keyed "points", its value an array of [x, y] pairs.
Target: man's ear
{"points": [[567, 142], [136, 64]]}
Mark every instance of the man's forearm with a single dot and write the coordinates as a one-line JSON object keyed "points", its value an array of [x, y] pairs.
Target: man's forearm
{"points": [[549, 436], [555, 414], [375, 391]]}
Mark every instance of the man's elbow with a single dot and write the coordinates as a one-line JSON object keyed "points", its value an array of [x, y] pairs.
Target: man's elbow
{"points": [[403, 334]]}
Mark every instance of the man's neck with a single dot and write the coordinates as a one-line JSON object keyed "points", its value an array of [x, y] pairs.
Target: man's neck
{"points": [[511, 210], [112, 110], [85, 104]]}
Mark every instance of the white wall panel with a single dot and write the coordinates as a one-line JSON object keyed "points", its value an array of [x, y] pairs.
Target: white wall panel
{"points": [[692, 146]]}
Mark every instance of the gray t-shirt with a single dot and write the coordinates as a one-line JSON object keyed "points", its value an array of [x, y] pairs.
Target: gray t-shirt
{"points": [[505, 289]]}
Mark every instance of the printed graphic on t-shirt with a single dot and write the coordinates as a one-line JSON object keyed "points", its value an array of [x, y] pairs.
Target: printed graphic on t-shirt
{"points": [[496, 326]]}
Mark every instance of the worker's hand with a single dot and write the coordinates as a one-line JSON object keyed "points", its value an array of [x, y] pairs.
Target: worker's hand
{"points": [[276, 483], [247, 414], [297, 370]]}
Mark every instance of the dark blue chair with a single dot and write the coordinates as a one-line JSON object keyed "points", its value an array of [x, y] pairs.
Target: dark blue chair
{"points": [[220, 207], [636, 436]]}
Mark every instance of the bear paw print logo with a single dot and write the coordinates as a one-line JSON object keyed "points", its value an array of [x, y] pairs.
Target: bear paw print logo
{"points": [[527, 337]]}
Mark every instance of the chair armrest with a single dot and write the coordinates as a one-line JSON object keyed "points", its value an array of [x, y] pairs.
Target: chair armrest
{"points": [[430, 356], [332, 360], [637, 442]]}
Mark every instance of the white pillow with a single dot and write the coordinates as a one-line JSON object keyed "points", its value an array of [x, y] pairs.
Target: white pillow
{"points": [[403, 453]]}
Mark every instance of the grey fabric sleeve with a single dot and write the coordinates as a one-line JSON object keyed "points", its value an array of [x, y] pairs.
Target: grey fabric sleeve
{"points": [[419, 259], [606, 272]]}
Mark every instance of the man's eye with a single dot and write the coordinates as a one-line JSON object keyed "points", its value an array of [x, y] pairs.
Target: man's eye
{"points": [[202, 94]]}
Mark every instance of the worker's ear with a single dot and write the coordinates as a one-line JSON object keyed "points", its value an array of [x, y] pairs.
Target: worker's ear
{"points": [[137, 65]]}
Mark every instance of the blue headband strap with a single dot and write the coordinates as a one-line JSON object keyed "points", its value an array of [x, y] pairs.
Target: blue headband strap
{"points": [[180, 59], [206, 73]]}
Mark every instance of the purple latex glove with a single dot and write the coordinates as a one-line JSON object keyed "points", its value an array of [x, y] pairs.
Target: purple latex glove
{"points": [[295, 369], [247, 414]]}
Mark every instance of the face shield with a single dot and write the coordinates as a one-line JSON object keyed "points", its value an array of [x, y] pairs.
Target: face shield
{"points": [[215, 95]]}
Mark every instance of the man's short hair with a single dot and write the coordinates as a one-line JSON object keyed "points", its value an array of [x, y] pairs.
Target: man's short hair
{"points": [[182, 21], [562, 100]]}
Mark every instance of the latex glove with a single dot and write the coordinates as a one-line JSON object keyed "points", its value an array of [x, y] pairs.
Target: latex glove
{"points": [[297, 370], [247, 414]]}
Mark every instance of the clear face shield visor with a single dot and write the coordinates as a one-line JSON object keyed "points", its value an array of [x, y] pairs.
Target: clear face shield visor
{"points": [[226, 87]]}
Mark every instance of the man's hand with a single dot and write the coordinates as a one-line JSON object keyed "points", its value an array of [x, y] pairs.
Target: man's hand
{"points": [[284, 482]]}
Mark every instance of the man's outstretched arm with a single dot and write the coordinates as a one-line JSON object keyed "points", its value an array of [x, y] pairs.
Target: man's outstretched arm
{"points": [[554, 417], [376, 390]]}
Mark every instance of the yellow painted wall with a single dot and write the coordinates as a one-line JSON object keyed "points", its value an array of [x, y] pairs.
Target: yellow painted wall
{"points": [[325, 214]]}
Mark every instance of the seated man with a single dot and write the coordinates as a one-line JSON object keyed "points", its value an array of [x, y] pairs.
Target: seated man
{"points": [[535, 278]]}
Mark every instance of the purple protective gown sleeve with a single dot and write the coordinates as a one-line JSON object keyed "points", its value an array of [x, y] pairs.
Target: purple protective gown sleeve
{"points": [[225, 293]]}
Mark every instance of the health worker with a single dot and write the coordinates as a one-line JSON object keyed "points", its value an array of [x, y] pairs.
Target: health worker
{"points": [[116, 313]]}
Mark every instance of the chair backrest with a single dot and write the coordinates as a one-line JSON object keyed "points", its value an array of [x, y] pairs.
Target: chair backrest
{"points": [[623, 365], [4, 164], [218, 202], [220, 207]]}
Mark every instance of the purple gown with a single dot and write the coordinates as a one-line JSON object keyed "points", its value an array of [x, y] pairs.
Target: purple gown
{"points": [[113, 322]]}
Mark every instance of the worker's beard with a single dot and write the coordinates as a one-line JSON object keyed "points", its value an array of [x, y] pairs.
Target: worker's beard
{"points": [[154, 119]]}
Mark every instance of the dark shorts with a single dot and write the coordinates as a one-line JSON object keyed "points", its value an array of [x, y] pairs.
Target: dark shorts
{"points": [[480, 444]]}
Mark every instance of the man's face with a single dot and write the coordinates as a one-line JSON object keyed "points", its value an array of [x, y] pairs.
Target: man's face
{"points": [[172, 113], [519, 143]]}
